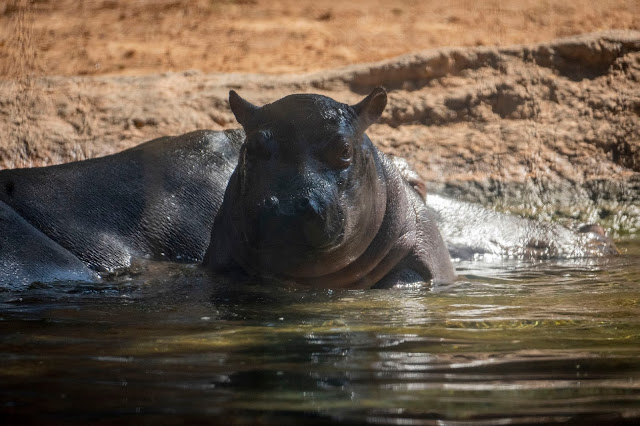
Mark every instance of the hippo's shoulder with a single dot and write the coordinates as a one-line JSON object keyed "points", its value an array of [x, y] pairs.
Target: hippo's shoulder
{"points": [[401, 170]]}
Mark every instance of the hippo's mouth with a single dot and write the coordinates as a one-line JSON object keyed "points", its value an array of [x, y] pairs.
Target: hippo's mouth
{"points": [[296, 236], [295, 245], [286, 258]]}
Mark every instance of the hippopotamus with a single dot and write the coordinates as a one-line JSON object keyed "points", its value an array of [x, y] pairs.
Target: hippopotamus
{"points": [[298, 194], [312, 200]]}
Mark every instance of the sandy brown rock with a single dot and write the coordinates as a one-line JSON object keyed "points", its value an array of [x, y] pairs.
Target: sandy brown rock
{"points": [[551, 129], [97, 37]]}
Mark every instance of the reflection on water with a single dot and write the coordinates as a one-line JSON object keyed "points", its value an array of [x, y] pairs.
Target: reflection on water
{"points": [[509, 342]]}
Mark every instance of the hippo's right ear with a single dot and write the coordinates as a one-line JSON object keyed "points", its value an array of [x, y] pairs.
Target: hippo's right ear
{"points": [[370, 108], [242, 109]]}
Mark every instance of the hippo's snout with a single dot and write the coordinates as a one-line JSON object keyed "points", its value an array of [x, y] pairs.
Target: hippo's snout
{"points": [[303, 207], [297, 221]]}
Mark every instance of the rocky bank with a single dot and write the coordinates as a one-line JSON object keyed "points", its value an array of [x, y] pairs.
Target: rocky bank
{"points": [[549, 130]]}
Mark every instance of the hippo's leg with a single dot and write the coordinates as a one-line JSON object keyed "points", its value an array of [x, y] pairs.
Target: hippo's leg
{"points": [[430, 256], [400, 276], [27, 255]]}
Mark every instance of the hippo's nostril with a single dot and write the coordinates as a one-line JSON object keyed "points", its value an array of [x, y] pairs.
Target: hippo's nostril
{"points": [[272, 202], [309, 208]]}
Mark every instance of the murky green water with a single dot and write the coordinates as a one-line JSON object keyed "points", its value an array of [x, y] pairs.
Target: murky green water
{"points": [[510, 342]]}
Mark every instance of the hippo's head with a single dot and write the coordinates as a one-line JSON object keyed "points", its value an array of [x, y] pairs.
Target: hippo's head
{"points": [[308, 194]]}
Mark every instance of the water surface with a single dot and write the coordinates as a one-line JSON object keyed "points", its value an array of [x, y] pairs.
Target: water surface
{"points": [[511, 342]]}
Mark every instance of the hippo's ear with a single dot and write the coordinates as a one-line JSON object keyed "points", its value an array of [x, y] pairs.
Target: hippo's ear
{"points": [[370, 108], [242, 109]]}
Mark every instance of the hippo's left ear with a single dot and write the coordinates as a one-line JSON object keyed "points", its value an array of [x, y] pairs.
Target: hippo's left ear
{"points": [[242, 109], [370, 108]]}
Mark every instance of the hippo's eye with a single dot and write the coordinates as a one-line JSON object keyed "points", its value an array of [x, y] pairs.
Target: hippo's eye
{"points": [[346, 152], [340, 154]]}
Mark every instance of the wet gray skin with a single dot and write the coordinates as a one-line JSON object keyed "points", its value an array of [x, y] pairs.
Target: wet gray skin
{"points": [[313, 201], [27, 255], [154, 201], [309, 199]]}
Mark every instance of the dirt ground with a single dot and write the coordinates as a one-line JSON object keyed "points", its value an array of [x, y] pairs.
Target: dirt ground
{"points": [[501, 108], [70, 37]]}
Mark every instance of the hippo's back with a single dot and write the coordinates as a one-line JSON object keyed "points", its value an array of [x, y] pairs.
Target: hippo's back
{"points": [[156, 200]]}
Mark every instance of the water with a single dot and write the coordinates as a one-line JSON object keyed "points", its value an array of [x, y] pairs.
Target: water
{"points": [[509, 343]]}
